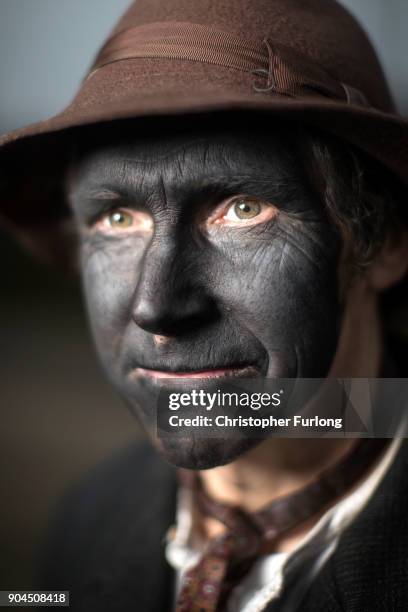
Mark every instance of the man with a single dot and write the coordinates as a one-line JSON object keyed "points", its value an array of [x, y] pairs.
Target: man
{"points": [[236, 182]]}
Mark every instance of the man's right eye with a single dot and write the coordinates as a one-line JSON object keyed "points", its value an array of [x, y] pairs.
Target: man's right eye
{"points": [[120, 219], [123, 221]]}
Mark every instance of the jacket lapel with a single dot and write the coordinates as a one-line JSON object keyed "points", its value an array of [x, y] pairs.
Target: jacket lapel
{"points": [[369, 569], [125, 568]]}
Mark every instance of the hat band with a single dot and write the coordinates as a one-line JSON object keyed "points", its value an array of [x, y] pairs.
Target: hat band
{"points": [[275, 68]]}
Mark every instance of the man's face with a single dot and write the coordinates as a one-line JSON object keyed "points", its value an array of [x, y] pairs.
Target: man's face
{"points": [[205, 255]]}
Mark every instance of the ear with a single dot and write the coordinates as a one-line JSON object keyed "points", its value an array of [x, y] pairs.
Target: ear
{"points": [[391, 264]]}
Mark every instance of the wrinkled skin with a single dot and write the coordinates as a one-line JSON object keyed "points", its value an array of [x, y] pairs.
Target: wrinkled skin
{"points": [[264, 295]]}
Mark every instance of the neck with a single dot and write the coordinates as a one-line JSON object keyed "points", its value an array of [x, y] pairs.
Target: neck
{"points": [[279, 466]]}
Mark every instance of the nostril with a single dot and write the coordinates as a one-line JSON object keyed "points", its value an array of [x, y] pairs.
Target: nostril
{"points": [[161, 340], [173, 317]]}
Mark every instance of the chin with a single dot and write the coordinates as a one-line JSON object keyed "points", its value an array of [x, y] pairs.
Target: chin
{"points": [[203, 453]]}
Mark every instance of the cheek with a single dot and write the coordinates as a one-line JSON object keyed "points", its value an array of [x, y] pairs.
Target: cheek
{"points": [[110, 274], [284, 290]]}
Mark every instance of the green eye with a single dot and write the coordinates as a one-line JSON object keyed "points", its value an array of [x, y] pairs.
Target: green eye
{"points": [[120, 219], [244, 209]]}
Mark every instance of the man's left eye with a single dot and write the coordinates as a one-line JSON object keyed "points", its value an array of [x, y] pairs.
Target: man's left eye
{"points": [[243, 211]]}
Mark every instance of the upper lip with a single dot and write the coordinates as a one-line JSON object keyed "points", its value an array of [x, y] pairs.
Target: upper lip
{"points": [[190, 368], [184, 369]]}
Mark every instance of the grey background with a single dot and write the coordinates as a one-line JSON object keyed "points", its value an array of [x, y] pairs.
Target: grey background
{"points": [[57, 416]]}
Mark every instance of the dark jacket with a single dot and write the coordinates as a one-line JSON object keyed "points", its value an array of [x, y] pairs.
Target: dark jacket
{"points": [[108, 544]]}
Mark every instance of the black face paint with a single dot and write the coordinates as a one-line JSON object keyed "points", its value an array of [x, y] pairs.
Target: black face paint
{"points": [[263, 295]]}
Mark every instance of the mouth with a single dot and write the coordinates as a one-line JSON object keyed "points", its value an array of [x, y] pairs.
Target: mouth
{"points": [[247, 371]]}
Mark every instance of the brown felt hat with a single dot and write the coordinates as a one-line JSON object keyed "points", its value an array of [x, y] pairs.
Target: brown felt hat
{"points": [[303, 60]]}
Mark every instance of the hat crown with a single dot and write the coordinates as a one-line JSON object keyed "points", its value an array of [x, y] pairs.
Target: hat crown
{"points": [[322, 30]]}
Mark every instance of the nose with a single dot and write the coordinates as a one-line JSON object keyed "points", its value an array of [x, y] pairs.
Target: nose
{"points": [[169, 299]]}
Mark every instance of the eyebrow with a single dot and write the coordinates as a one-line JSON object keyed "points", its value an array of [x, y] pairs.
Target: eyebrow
{"points": [[87, 200], [119, 188], [103, 194]]}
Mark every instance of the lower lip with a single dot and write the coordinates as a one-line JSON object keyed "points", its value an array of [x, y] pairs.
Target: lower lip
{"points": [[245, 372]]}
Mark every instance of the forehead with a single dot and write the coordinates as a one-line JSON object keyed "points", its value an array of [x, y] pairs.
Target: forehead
{"points": [[180, 156]]}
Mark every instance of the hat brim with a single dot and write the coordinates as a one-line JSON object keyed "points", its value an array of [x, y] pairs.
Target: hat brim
{"points": [[32, 159]]}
